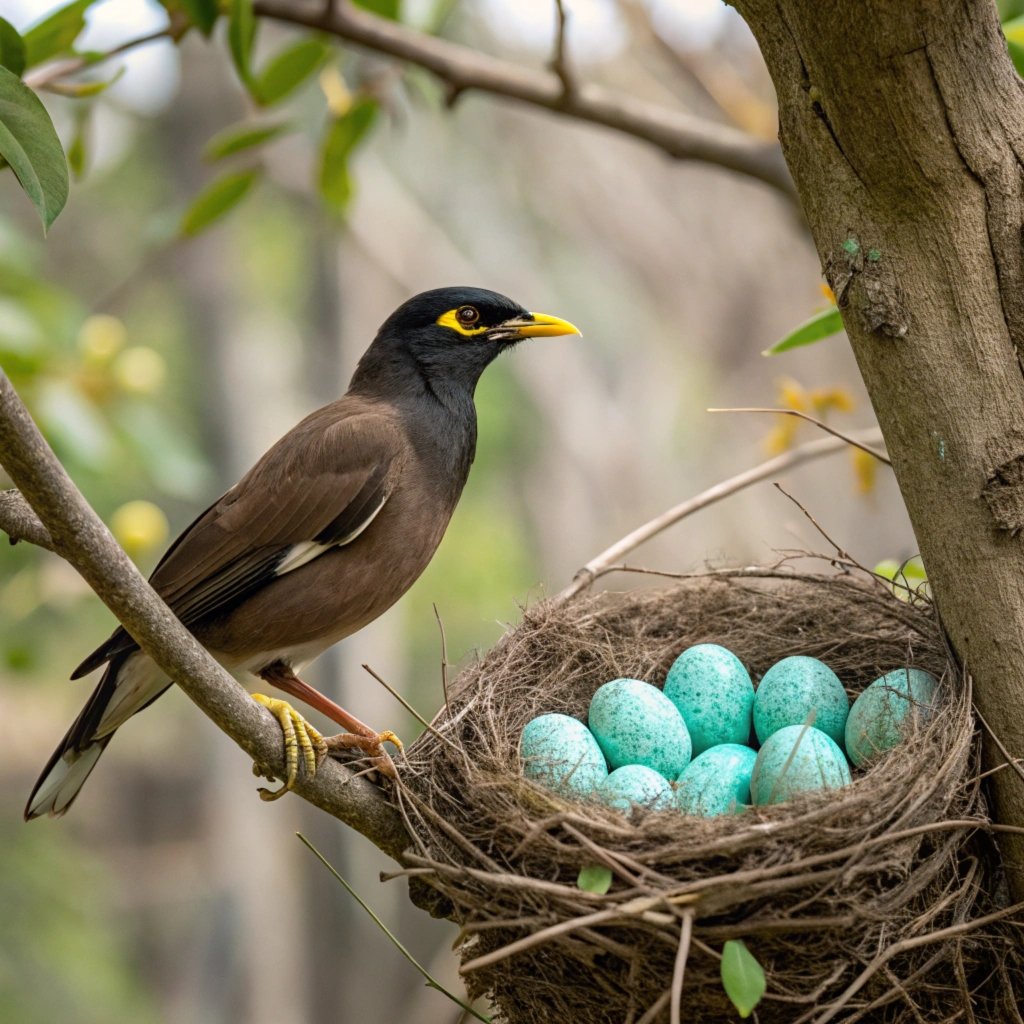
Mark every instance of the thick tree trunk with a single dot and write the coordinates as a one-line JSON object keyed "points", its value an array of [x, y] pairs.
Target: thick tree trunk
{"points": [[903, 124]]}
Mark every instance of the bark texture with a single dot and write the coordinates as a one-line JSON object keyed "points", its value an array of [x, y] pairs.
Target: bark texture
{"points": [[903, 125]]}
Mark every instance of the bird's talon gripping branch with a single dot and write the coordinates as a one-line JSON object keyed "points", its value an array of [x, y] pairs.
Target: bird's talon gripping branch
{"points": [[299, 735], [371, 743]]}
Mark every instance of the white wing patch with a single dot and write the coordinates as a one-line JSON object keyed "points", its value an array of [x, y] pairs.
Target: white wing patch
{"points": [[304, 552], [299, 554]]}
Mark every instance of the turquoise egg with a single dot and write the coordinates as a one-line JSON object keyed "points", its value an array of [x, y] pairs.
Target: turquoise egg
{"points": [[635, 723], [714, 695], [633, 786], [797, 759], [716, 782], [883, 712], [794, 688], [559, 752]]}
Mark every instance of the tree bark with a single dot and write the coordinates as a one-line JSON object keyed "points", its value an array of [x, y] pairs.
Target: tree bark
{"points": [[903, 125]]}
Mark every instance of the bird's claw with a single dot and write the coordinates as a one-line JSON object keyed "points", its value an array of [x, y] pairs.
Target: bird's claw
{"points": [[299, 735], [372, 743]]}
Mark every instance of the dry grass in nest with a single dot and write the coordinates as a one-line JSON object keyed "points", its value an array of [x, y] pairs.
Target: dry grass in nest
{"points": [[879, 902]]}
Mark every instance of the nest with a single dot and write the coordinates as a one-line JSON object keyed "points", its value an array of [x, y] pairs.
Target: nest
{"points": [[879, 902]]}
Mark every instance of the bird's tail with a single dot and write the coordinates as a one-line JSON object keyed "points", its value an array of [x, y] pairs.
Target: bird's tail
{"points": [[129, 683], [64, 775]]}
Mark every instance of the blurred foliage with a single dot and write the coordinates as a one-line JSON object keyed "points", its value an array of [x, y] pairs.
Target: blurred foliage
{"points": [[50, 919]]}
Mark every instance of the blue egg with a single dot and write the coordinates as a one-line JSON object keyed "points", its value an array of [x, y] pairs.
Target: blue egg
{"points": [[716, 782], [635, 723], [714, 695], [633, 786], [559, 752], [798, 691], [885, 710], [797, 759]]}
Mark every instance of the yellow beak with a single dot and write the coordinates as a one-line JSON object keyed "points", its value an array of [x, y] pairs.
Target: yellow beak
{"points": [[541, 326]]}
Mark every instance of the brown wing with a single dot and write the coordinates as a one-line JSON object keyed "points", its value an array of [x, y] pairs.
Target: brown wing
{"points": [[319, 487]]}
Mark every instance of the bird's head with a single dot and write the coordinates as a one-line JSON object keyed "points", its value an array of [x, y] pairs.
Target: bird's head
{"points": [[451, 334]]}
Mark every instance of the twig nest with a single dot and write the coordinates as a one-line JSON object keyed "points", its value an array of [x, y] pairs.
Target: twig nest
{"points": [[879, 901]]}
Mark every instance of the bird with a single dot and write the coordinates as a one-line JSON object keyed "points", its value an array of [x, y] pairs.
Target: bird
{"points": [[326, 531]]}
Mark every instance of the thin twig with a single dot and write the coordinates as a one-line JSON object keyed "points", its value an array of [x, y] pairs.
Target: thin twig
{"points": [[907, 944], [387, 931], [408, 707], [676, 1004], [654, 1011], [1017, 761], [1010, 759], [444, 661], [560, 59], [643, 908], [49, 74], [881, 456], [461, 68], [841, 552], [781, 463]]}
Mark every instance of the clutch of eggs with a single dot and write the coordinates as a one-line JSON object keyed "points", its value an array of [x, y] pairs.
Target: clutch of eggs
{"points": [[709, 743]]}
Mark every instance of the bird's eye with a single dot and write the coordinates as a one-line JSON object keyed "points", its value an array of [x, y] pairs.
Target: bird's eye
{"points": [[467, 315]]}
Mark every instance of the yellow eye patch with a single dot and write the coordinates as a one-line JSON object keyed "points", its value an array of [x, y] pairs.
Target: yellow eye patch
{"points": [[451, 320]]}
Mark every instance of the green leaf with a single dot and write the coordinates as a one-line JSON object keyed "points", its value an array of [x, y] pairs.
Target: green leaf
{"points": [[12, 48], [76, 151], [30, 145], [343, 135], [742, 977], [289, 69], [821, 325], [202, 13], [385, 8], [216, 200], [595, 878], [83, 90], [241, 34], [236, 138], [55, 35]]}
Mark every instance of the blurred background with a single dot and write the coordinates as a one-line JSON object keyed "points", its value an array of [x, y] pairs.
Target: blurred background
{"points": [[160, 365]]}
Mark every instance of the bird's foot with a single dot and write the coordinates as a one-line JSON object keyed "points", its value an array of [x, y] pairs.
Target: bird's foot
{"points": [[299, 736], [371, 743]]}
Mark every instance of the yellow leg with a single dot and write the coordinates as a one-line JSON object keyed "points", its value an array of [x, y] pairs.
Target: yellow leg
{"points": [[298, 735]]}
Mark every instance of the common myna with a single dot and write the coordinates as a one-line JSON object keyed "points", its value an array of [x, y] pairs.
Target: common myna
{"points": [[322, 535]]}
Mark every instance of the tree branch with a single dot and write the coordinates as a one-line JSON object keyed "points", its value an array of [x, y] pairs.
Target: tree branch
{"points": [[461, 68], [787, 460], [49, 75], [20, 523], [65, 523]]}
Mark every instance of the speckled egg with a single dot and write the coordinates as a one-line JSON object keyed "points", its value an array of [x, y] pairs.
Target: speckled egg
{"points": [[714, 694], [797, 759], [793, 688], [885, 710], [716, 782], [635, 723], [559, 752], [633, 786]]}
